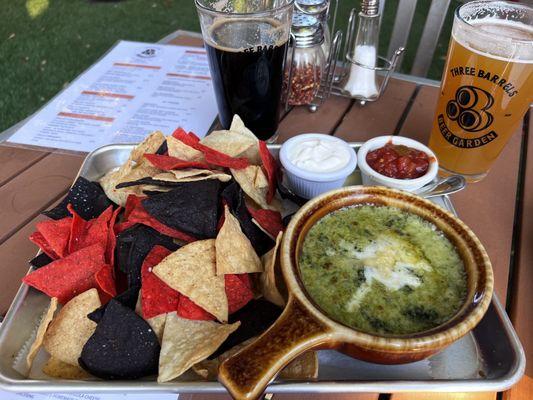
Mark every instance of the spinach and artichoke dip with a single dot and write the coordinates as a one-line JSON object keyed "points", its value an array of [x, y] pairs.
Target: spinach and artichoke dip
{"points": [[382, 270]]}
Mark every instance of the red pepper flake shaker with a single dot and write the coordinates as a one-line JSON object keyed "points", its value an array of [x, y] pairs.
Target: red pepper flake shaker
{"points": [[308, 60]]}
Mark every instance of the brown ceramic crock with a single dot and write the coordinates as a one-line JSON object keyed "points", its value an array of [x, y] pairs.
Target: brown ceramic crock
{"points": [[303, 326]]}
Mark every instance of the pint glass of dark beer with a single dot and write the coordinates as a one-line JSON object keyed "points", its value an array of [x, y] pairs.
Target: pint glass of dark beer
{"points": [[246, 42]]}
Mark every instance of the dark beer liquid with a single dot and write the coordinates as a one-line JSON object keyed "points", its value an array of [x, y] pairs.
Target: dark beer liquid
{"points": [[247, 78]]}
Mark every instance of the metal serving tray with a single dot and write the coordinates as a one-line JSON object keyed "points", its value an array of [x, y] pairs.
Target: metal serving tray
{"points": [[490, 358]]}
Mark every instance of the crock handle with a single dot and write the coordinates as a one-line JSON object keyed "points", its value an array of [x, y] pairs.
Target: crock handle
{"points": [[247, 373]]}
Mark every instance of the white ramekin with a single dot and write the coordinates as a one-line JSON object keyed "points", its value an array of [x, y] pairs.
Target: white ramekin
{"points": [[373, 178], [308, 184]]}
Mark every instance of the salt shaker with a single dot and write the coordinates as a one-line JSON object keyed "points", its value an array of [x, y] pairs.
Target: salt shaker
{"points": [[308, 60], [320, 10], [361, 81]]}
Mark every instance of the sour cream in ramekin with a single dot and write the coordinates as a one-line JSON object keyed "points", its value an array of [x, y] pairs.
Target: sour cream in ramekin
{"points": [[315, 163]]}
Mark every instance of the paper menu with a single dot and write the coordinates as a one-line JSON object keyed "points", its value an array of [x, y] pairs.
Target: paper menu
{"points": [[134, 89]]}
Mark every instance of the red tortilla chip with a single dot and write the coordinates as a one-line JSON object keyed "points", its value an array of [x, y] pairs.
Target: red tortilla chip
{"points": [[86, 233], [270, 166], [132, 202], [269, 220], [106, 283], [211, 156], [190, 139], [111, 238], [38, 238], [188, 309], [69, 276], [123, 226], [168, 163], [140, 215], [238, 292], [156, 296], [57, 234]]}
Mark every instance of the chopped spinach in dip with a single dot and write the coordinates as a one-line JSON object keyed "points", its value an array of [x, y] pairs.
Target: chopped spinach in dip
{"points": [[381, 270]]}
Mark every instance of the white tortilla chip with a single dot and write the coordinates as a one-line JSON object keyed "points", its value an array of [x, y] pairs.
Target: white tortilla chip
{"points": [[191, 270], [254, 183], [234, 144], [58, 369], [234, 252], [192, 175], [148, 146], [186, 342], [178, 149], [41, 330], [237, 125], [271, 281], [70, 330]]}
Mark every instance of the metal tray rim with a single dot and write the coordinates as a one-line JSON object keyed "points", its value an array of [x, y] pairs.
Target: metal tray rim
{"points": [[449, 385]]}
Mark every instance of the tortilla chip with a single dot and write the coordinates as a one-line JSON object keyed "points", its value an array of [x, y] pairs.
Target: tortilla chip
{"points": [[234, 252], [186, 342], [191, 271], [157, 323], [41, 330], [126, 173], [178, 149], [106, 283], [149, 145], [38, 238], [191, 175], [87, 233], [69, 276], [40, 261], [237, 125], [69, 331], [58, 369], [189, 310], [123, 346], [238, 291], [271, 281], [233, 144], [269, 221], [255, 184], [191, 207], [302, 367], [168, 163], [235, 199], [270, 167], [86, 197], [57, 234], [133, 245], [156, 296], [127, 298]]}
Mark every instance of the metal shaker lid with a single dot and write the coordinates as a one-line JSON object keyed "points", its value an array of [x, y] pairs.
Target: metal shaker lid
{"points": [[313, 7], [307, 30]]}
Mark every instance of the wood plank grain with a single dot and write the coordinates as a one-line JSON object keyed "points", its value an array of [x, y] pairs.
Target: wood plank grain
{"points": [[522, 301], [184, 40], [488, 206], [22, 198], [444, 396], [523, 390], [300, 120], [13, 160], [378, 118], [302, 396]]}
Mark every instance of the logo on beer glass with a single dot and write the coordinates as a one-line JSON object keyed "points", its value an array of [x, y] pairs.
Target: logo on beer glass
{"points": [[469, 110]]}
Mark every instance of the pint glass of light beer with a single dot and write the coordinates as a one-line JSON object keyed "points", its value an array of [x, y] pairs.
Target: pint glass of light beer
{"points": [[487, 85]]}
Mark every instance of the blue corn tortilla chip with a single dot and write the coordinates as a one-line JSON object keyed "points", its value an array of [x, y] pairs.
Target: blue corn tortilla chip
{"points": [[123, 346], [256, 317], [191, 207], [233, 195], [133, 245], [87, 198], [163, 149], [128, 298], [40, 261]]}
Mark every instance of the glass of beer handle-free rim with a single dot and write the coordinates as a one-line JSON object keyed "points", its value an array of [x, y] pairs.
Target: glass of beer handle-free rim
{"points": [[246, 44], [487, 86]]}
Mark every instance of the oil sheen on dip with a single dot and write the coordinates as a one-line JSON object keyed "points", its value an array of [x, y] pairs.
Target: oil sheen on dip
{"points": [[319, 155], [382, 270]]}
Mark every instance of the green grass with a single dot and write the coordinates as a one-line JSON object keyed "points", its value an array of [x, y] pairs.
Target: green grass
{"points": [[45, 44]]}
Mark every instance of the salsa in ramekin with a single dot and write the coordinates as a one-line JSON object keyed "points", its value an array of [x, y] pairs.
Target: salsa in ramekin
{"points": [[398, 161]]}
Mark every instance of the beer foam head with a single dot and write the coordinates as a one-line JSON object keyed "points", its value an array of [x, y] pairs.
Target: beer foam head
{"points": [[496, 29]]}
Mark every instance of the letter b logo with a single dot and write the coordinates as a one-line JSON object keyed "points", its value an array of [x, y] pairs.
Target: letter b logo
{"points": [[469, 108]]}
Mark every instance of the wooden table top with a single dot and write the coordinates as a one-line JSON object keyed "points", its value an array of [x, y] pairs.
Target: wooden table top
{"points": [[499, 209]]}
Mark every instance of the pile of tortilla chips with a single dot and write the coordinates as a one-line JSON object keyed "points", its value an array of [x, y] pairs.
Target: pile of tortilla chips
{"points": [[169, 263]]}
